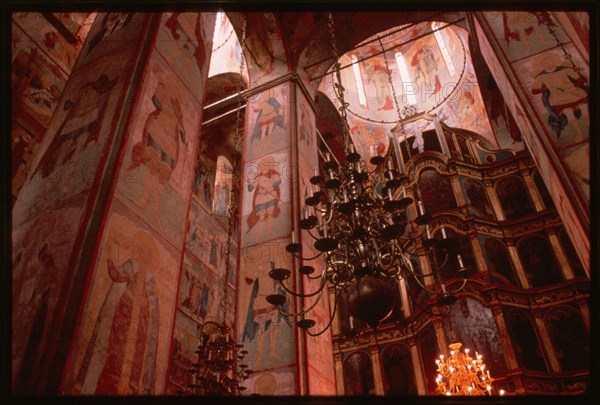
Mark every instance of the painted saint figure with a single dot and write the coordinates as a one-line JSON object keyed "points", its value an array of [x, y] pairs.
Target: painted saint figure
{"points": [[266, 195], [159, 146], [121, 355], [269, 116]]}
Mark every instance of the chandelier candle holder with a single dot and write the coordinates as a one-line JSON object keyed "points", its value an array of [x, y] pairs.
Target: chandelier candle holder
{"points": [[219, 369], [360, 224], [461, 374]]}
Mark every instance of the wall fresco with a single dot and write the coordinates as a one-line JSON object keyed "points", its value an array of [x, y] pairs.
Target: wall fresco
{"points": [[268, 335], [183, 354], [41, 251], [123, 341], [206, 239], [276, 382], [159, 159]]}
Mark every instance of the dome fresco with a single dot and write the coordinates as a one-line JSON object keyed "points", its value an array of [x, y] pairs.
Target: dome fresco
{"points": [[430, 67]]}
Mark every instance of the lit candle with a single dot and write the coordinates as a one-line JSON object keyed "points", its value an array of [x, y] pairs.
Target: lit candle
{"points": [[460, 262], [443, 232], [328, 156]]}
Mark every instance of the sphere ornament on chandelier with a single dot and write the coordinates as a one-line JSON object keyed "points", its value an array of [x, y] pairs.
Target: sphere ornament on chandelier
{"points": [[358, 216]]}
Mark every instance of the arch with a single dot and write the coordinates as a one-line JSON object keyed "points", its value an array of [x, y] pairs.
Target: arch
{"points": [[539, 261], [358, 374], [569, 336], [397, 370], [478, 197], [514, 197], [498, 259], [475, 327], [525, 340], [436, 190]]}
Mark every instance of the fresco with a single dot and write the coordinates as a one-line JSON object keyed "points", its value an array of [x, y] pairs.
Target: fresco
{"points": [[41, 251], [204, 180], [523, 33], [184, 345], [577, 159], [267, 57], [475, 328], [559, 94], [37, 82], [200, 293], [77, 138], [206, 239], [266, 198], [49, 39], [307, 137], [185, 42], [109, 32], [23, 146], [267, 122], [223, 178], [124, 331], [268, 335], [276, 382], [159, 158]]}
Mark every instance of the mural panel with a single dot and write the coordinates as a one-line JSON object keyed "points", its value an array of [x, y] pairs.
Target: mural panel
{"points": [[41, 251], [207, 239], [159, 159], [276, 382], [268, 335], [185, 41], [266, 198], [184, 345], [200, 293], [123, 340]]}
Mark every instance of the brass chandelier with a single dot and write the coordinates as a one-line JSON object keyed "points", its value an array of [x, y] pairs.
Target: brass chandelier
{"points": [[360, 224]]}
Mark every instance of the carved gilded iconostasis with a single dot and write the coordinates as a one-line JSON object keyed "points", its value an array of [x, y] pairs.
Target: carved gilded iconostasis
{"points": [[124, 155]]}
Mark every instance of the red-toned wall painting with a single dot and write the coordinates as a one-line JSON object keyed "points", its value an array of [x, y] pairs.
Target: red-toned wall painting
{"points": [[268, 335], [275, 382], [124, 332], [42, 248], [266, 198], [159, 159]]}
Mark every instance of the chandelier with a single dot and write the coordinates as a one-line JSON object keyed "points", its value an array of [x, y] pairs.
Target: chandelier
{"points": [[460, 374], [219, 369], [361, 226]]}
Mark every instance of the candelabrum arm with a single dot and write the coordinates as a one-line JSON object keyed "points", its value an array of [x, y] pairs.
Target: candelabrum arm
{"points": [[312, 294], [304, 310]]}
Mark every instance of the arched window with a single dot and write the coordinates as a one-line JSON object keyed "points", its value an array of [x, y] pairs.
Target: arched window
{"points": [[571, 254], [525, 341], [543, 190], [570, 338], [429, 351], [360, 88], [436, 191], [498, 259], [442, 44], [539, 261], [408, 88], [478, 197], [397, 370], [358, 374], [514, 197]]}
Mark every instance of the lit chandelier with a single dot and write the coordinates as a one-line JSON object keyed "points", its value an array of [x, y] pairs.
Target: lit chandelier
{"points": [[460, 374], [361, 226], [219, 370]]}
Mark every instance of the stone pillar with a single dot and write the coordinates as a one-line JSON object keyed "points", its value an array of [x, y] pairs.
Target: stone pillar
{"points": [[101, 187], [516, 261], [565, 265]]}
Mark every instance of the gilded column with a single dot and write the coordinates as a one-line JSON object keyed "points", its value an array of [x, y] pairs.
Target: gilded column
{"points": [[546, 342], [509, 353], [376, 367], [479, 258], [418, 367], [516, 261], [533, 191], [565, 265], [494, 200]]}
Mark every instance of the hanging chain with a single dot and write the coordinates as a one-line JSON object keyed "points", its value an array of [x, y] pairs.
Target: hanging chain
{"points": [[545, 18], [237, 140], [337, 86]]}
